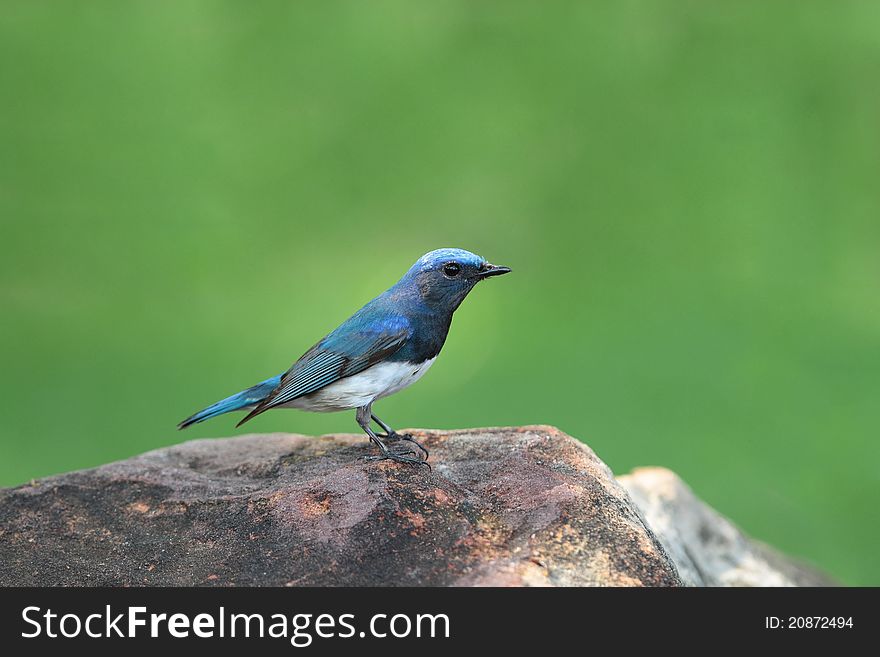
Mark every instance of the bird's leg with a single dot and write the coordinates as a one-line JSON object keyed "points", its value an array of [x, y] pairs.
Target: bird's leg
{"points": [[391, 434], [363, 419]]}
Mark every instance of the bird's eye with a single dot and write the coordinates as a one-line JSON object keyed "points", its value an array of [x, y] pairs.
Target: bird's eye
{"points": [[452, 269]]}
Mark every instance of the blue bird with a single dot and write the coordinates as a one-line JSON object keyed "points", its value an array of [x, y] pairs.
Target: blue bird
{"points": [[384, 347]]}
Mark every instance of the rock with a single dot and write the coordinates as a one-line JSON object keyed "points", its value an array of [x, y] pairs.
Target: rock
{"points": [[517, 506], [525, 506], [707, 548]]}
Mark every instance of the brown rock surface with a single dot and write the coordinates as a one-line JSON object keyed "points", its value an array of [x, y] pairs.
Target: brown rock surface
{"points": [[514, 506]]}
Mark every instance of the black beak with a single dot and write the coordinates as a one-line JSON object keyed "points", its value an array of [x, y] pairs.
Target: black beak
{"points": [[488, 270]]}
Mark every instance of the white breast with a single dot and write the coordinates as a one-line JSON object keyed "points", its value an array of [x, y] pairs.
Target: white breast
{"points": [[378, 381]]}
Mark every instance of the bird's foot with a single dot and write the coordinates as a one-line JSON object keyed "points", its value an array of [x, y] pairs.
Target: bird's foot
{"points": [[399, 456], [393, 436]]}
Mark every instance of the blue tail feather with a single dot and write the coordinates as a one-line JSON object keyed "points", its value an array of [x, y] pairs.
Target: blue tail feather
{"points": [[244, 399]]}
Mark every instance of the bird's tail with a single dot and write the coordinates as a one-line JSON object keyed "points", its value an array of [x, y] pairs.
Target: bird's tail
{"points": [[244, 399]]}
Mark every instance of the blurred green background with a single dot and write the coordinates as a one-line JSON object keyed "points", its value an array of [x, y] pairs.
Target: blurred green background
{"points": [[191, 193]]}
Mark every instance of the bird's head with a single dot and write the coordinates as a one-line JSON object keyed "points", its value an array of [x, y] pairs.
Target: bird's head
{"points": [[444, 277]]}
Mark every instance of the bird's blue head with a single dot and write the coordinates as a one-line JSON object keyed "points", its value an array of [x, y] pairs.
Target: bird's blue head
{"points": [[444, 277]]}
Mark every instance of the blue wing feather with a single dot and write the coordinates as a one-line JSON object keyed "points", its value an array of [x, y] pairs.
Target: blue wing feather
{"points": [[353, 347]]}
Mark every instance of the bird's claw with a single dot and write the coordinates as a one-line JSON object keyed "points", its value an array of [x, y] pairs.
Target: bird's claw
{"points": [[401, 451], [393, 436], [399, 455]]}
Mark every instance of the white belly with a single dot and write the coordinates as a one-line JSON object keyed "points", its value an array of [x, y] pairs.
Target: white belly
{"points": [[361, 389]]}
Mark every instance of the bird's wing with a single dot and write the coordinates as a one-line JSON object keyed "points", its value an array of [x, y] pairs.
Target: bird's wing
{"points": [[350, 349]]}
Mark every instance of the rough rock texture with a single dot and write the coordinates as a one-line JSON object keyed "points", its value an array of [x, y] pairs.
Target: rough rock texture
{"points": [[518, 506], [707, 548]]}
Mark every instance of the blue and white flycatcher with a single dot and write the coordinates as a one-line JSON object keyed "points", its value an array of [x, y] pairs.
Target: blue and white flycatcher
{"points": [[384, 347]]}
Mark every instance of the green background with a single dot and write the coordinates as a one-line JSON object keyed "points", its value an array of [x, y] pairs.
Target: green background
{"points": [[191, 193]]}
